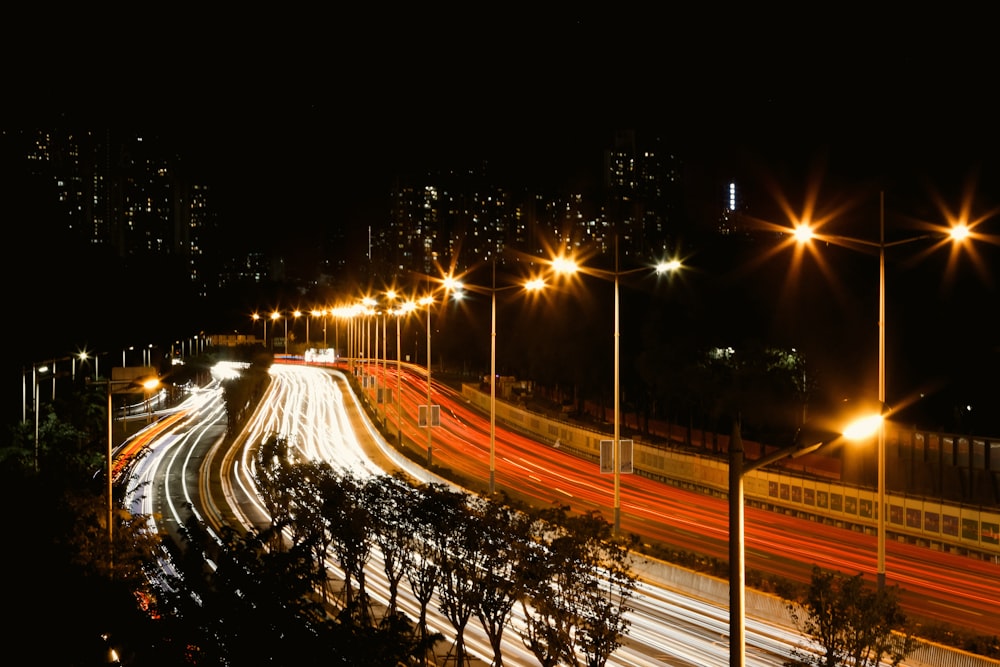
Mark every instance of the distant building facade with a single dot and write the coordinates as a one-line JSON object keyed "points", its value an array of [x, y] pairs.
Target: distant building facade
{"points": [[451, 220], [126, 193], [133, 195]]}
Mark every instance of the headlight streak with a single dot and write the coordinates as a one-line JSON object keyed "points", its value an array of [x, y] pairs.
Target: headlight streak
{"points": [[309, 406], [712, 650], [191, 413]]}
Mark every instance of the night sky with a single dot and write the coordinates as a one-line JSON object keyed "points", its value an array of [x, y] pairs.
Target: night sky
{"points": [[300, 122], [314, 116]]}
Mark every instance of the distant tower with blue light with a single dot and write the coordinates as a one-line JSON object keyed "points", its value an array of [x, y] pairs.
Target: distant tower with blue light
{"points": [[730, 220]]}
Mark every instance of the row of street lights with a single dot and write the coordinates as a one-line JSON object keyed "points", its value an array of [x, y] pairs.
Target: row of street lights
{"points": [[560, 266], [803, 233], [276, 315]]}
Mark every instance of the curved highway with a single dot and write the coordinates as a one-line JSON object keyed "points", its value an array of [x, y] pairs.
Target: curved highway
{"points": [[189, 471], [937, 586]]}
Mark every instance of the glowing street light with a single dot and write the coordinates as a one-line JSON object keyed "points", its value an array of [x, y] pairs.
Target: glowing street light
{"points": [[427, 302], [565, 265], [404, 309], [433, 417], [738, 468], [275, 316], [863, 427], [317, 313], [297, 314], [803, 233], [148, 385], [533, 285]]}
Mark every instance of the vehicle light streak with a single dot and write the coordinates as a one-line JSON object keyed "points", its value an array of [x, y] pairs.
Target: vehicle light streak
{"points": [[331, 425]]}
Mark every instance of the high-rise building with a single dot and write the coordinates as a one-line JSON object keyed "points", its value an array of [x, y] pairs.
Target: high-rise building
{"points": [[445, 221], [456, 219], [643, 194], [731, 218], [123, 192]]}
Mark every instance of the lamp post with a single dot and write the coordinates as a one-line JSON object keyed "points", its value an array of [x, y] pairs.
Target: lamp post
{"points": [[399, 411], [448, 283], [563, 265], [356, 339], [530, 286], [36, 401], [147, 385], [345, 313], [804, 233], [404, 309], [738, 467], [369, 304], [385, 368], [316, 313], [275, 316], [427, 302], [83, 357], [297, 314]]}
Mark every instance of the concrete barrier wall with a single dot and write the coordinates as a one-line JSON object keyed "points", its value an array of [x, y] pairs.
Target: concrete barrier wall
{"points": [[773, 610], [929, 522]]}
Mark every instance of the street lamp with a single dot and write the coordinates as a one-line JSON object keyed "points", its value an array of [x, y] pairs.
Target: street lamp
{"points": [[350, 313], [275, 316], [404, 309], [83, 357], [564, 265], [804, 233], [427, 302], [449, 284], [147, 385], [37, 370], [530, 286], [369, 312], [380, 397], [317, 313], [285, 320], [738, 467]]}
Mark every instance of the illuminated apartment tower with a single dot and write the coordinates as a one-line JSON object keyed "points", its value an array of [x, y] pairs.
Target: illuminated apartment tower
{"points": [[643, 188], [123, 193], [730, 221], [447, 220]]}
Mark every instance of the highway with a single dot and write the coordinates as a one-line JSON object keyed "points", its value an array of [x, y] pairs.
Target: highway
{"points": [[934, 585], [184, 470]]}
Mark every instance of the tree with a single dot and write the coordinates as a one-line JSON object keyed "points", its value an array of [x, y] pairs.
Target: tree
{"points": [[347, 520], [257, 605], [577, 583], [851, 623], [505, 540], [422, 571], [308, 525], [607, 584], [460, 556], [388, 496], [274, 477]]}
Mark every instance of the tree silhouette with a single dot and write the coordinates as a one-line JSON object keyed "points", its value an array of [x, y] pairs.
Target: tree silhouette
{"points": [[577, 583], [506, 536], [460, 556], [851, 623], [389, 496]]}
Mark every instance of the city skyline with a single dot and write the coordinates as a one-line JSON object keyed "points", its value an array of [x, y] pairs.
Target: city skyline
{"points": [[303, 134], [855, 204]]}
